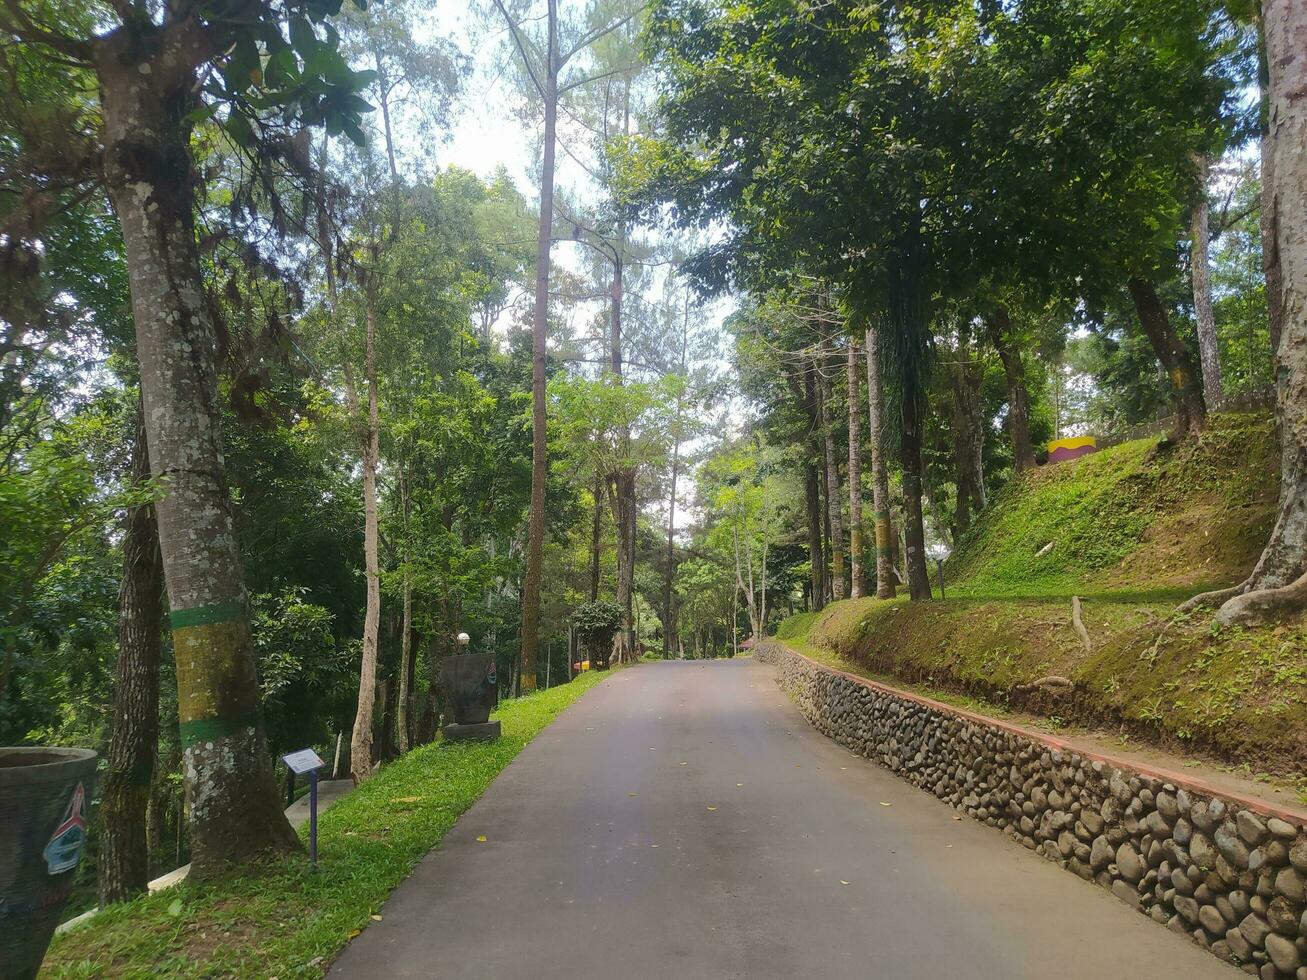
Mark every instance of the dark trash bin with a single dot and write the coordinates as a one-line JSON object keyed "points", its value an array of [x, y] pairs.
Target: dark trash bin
{"points": [[45, 799]]}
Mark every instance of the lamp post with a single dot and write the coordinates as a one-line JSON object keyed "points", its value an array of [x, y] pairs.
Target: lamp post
{"points": [[463, 641]]}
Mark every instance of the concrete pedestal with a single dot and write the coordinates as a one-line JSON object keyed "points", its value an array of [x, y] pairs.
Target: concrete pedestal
{"points": [[461, 733]]}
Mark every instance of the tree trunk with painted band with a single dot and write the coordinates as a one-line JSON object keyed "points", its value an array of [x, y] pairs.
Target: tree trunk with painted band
{"points": [[233, 798]]}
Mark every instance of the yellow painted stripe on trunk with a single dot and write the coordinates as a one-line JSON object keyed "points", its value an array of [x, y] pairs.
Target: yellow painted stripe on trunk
{"points": [[206, 654]]}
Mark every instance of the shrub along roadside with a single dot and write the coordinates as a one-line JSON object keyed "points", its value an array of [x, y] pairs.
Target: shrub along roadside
{"points": [[287, 921]]}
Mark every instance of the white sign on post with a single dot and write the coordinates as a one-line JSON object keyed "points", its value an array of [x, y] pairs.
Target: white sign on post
{"points": [[305, 760]]}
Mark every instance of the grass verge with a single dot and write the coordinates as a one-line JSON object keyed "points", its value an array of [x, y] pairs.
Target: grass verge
{"points": [[285, 920]]}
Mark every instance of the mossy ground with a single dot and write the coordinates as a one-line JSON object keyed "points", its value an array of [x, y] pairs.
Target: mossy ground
{"points": [[284, 920], [1135, 530]]}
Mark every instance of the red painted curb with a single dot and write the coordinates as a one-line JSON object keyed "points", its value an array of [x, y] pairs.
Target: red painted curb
{"points": [[1296, 817]]}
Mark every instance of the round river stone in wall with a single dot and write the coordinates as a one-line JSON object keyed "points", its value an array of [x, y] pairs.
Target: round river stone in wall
{"points": [[1129, 863]]}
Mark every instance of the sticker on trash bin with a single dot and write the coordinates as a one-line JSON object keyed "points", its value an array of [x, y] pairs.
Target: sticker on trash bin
{"points": [[65, 847], [492, 677]]}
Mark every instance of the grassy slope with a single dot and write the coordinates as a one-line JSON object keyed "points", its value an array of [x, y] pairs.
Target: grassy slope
{"points": [[287, 921], [1134, 530]]}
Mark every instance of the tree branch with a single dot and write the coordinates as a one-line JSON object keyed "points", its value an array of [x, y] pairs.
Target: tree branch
{"points": [[587, 39], [15, 20], [520, 44], [587, 79]]}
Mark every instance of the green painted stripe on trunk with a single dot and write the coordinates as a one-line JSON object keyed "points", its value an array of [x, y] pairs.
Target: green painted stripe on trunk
{"points": [[206, 729], [219, 612]]}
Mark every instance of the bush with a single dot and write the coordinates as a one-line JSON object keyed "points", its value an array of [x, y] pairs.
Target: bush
{"points": [[596, 624]]}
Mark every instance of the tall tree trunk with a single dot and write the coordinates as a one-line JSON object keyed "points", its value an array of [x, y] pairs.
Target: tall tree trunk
{"points": [[405, 668], [1268, 215], [1173, 353], [406, 640], [622, 498], [124, 864], [818, 516], [1279, 581], [816, 559], [885, 576], [1018, 398], [596, 537], [832, 487], [670, 569], [856, 589], [535, 540], [383, 97], [968, 434], [235, 803], [360, 746], [1209, 351], [623, 484], [751, 606], [914, 532]]}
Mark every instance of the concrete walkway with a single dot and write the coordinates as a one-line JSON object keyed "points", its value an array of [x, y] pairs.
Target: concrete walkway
{"points": [[683, 821]]}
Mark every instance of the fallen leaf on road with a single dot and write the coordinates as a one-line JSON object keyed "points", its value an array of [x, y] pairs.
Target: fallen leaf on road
{"points": [[712, 808], [883, 803], [376, 918], [843, 882], [738, 785], [353, 933], [481, 839], [685, 763], [632, 794]]}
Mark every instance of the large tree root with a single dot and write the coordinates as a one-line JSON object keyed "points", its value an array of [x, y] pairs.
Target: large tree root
{"points": [[1214, 598], [1053, 683], [1260, 604]]}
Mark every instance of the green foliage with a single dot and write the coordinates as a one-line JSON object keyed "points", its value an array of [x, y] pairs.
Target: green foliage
{"points": [[596, 623], [796, 626]]}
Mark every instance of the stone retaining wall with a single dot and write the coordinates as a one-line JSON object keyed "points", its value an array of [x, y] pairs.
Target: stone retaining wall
{"points": [[1229, 873]]}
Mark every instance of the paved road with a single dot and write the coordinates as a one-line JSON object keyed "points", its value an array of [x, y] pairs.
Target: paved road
{"points": [[682, 821]]}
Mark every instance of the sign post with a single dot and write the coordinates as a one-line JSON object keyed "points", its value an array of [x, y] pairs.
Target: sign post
{"points": [[306, 762]]}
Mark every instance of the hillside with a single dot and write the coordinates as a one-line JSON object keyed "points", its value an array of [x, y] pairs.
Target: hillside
{"points": [[1133, 530]]}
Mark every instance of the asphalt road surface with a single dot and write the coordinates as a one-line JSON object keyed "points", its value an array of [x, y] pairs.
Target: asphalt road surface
{"points": [[683, 821]]}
